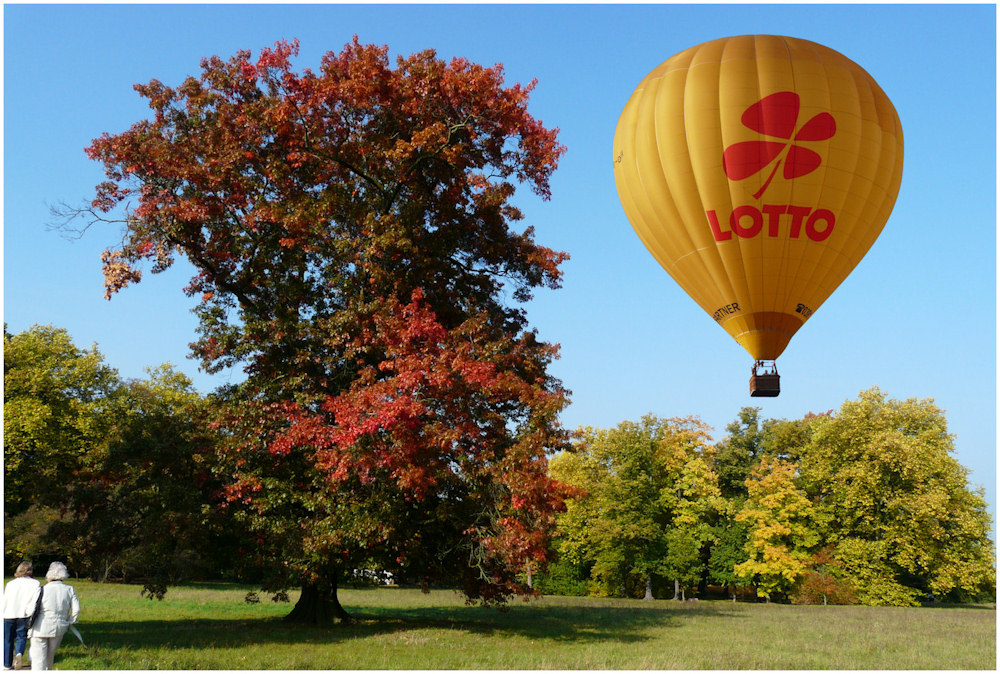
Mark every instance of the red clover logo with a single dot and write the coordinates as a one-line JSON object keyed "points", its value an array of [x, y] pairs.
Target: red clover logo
{"points": [[777, 116]]}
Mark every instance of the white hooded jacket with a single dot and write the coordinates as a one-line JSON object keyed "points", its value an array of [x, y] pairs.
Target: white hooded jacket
{"points": [[60, 608]]}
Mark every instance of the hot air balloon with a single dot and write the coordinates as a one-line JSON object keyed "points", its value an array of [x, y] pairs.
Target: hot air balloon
{"points": [[758, 170]]}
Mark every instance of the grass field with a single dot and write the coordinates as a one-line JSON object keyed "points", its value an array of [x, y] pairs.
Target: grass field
{"points": [[210, 627]]}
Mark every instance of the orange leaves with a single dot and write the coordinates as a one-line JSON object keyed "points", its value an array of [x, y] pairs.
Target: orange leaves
{"points": [[431, 402], [351, 233], [296, 159], [279, 56], [249, 72], [242, 491], [109, 195], [118, 273], [159, 96]]}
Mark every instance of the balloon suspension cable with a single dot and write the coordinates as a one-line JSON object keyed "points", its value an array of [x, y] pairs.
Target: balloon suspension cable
{"points": [[762, 367]]}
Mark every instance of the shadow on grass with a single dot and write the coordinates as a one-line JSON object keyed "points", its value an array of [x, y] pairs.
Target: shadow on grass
{"points": [[974, 607], [563, 624]]}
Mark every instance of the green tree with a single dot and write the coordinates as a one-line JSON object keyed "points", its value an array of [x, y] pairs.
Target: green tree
{"points": [[896, 504], [647, 489], [140, 505], [563, 577], [356, 249], [53, 397], [26, 536], [729, 547], [738, 453], [698, 504], [786, 440]]}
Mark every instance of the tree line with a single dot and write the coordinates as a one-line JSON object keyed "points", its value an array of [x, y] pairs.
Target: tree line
{"points": [[126, 479], [114, 476], [863, 505]]}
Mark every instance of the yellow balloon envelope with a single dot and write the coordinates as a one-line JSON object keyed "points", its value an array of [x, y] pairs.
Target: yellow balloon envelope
{"points": [[758, 170]]}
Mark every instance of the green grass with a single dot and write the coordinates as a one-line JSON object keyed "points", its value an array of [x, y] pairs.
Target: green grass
{"points": [[210, 627]]}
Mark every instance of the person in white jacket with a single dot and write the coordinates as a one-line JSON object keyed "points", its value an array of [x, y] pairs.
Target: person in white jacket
{"points": [[19, 598], [60, 609]]}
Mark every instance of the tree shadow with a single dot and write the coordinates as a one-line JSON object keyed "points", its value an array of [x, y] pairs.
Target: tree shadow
{"points": [[557, 623]]}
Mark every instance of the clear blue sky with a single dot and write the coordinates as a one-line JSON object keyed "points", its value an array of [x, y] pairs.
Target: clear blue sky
{"points": [[916, 318]]}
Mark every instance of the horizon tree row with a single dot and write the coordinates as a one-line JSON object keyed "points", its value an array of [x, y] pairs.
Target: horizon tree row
{"points": [[863, 505], [113, 476], [126, 480]]}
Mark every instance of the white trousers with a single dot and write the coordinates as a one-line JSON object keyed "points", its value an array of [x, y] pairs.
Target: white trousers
{"points": [[43, 651]]}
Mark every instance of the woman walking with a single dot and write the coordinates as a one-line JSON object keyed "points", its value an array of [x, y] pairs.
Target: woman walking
{"points": [[60, 608], [18, 603]]}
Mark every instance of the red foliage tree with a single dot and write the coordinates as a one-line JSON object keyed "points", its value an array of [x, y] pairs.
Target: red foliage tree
{"points": [[352, 235]]}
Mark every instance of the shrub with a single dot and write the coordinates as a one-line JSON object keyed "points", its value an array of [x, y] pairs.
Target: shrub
{"points": [[819, 588]]}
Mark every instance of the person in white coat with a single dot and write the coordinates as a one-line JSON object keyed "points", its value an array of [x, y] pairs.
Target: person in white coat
{"points": [[18, 604], [60, 609]]}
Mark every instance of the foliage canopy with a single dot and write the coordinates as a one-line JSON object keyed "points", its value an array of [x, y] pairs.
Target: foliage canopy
{"points": [[866, 504], [351, 230], [649, 490]]}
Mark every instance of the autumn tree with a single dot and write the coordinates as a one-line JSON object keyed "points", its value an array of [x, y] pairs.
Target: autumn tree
{"points": [[749, 439], [782, 534], [355, 247], [824, 582], [896, 505], [647, 488]]}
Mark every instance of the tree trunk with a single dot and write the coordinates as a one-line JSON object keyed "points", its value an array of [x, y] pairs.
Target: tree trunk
{"points": [[677, 590], [318, 604], [649, 587], [107, 565]]}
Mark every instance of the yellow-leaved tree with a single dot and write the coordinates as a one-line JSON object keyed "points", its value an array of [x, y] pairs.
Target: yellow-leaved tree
{"points": [[779, 517], [896, 504]]}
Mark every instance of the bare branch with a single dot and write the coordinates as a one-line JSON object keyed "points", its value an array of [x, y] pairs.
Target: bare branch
{"points": [[66, 220]]}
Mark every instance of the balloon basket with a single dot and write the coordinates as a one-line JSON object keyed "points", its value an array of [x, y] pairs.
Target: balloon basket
{"points": [[764, 380]]}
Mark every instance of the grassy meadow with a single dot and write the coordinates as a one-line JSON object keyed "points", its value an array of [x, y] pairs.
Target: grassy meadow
{"points": [[210, 627]]}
